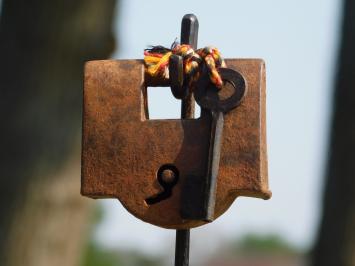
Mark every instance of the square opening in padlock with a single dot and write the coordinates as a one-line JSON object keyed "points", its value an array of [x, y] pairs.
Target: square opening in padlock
{"points": [[163, 105]]}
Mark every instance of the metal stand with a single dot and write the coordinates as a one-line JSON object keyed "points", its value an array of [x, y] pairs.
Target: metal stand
{"points": [[182, 247], [189, 35]]}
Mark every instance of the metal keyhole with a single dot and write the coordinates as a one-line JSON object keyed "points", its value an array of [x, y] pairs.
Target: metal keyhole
{"points": [[168, 176]]}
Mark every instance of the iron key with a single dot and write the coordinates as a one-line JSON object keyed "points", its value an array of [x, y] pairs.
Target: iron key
{"points": [[207, 97]]}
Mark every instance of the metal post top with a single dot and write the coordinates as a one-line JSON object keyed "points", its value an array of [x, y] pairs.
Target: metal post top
{"points": [[189, 30]]}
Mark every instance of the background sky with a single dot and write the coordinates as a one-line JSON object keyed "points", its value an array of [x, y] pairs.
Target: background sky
{"points": [[298, 41]]}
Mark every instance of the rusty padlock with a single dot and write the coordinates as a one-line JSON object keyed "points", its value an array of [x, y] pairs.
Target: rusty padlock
{"points": [[158, 169], [125, 153]]}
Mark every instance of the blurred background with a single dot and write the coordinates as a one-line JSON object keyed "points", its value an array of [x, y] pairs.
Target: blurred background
{"points": [[309, 51]]}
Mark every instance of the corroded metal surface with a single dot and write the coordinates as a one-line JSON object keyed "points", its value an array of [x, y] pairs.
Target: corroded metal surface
{"points": [[123, 150]]}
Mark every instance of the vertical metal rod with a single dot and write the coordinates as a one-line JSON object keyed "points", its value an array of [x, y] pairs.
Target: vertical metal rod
{"points": [[182, 247], [189, 35]]}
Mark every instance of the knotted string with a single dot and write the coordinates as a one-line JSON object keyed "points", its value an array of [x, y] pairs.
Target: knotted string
{"points": [[156, 60]]}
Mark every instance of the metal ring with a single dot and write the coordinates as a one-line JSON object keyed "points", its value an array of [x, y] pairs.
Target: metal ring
{"points": [[206, 94]]}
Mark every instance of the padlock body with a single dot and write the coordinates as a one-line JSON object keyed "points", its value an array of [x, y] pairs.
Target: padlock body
{"points": [[122, 149]]}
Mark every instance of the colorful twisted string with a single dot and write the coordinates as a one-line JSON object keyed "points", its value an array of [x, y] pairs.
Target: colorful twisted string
{"points": [[156, 60]]}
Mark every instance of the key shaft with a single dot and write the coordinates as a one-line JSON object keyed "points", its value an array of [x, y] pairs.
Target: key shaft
{"points": [[214, 153]]}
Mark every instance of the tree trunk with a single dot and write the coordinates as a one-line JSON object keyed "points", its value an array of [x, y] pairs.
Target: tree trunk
{"points": [[336, 240], [43, 47]]}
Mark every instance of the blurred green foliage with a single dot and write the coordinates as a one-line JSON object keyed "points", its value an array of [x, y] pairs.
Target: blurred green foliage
{"points": [[264, 244], [99, 256], [96, 255]]}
